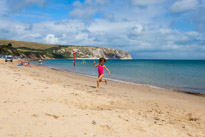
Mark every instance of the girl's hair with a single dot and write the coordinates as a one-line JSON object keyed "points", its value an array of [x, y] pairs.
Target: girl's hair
{"points": [[102, 59]]}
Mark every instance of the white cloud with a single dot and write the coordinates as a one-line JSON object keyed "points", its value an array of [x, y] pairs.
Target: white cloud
{"points": [[87, 9], [50, 38], [138, 28], [164, 31], [8, 7], [34, 36], [145, 2], [184, 5], [83, 13]]}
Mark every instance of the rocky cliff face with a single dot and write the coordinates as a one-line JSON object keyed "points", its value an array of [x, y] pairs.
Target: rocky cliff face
{"points": [[93, 53]]}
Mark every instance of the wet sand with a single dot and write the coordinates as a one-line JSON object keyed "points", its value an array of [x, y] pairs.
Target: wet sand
{"points": [[42, 102]]}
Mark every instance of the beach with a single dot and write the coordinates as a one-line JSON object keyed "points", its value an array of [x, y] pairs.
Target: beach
{"points": [[43, 102]]}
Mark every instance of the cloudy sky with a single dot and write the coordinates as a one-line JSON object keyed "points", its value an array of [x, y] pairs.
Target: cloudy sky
{"points": [[160, 29]]}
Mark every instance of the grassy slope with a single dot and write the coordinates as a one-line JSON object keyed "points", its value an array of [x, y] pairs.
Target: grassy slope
{"points": [[31, 45], [34, 45]]}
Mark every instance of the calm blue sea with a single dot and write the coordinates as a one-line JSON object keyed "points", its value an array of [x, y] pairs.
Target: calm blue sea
{"points": [[184, 74]]}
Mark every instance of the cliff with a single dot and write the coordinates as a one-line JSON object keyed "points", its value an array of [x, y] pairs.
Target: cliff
{"points": [[92, 52], [48, 51]]}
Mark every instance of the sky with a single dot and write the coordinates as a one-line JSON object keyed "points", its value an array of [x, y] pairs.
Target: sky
{"points": [[147, 29]]}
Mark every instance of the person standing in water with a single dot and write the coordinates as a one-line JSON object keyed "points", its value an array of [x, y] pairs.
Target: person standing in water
{"points": [[40, 61], [74, 63], [101, 66]]}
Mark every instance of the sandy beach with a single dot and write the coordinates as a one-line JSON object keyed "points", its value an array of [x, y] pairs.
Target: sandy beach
{"points": [[42, 102]]}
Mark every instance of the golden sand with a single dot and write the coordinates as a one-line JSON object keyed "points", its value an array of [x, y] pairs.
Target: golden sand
{"points": [[41, 102]]}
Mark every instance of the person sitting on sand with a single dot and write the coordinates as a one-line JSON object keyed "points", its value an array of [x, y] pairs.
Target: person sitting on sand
{"points": [[20, 63], [27, 64], [101, 66]]}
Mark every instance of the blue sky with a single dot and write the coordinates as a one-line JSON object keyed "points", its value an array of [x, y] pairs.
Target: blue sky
{"points": [[159, 29]]}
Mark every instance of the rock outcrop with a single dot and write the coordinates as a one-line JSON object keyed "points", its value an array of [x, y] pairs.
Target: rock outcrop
{"points": [[93, 53]]}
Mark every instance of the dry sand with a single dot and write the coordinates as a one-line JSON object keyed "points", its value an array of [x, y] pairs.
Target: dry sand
{"points": [[41, 102]]}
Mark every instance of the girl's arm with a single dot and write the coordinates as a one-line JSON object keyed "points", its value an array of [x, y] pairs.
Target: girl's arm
{"points": [[95, 64], [107, 70]]}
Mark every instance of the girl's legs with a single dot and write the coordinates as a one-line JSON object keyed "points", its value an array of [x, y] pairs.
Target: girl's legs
{"points": [[103, 81], [99, 80]]}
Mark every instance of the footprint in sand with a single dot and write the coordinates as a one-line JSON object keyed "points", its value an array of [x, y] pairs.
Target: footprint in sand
{"points": [[156, 118], [35, 115], [105, 126], [111, 103], [88, 91], [93, 122], [191, 117], [50, 115], [28, 83]]}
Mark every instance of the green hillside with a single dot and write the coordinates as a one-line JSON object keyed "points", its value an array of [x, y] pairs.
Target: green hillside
{"points": [[31, 45]]}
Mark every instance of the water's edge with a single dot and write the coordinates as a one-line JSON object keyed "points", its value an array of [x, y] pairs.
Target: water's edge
{"points": [[173, 89]]}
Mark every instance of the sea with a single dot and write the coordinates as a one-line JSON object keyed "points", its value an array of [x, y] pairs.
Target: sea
{"points": [[185, 75]]}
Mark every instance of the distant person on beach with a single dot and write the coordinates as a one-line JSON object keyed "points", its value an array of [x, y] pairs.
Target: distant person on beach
{"points": [[74, 63], [20, 63], [83, 61], [40, 61], [27, 64], [101, 66]]}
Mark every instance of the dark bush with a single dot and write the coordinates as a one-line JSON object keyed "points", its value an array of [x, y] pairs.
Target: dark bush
{"points": [[9, 45]]}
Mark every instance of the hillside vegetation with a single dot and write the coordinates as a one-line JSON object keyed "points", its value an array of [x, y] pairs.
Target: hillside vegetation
{"points": [[48, 51], [31, 45]]}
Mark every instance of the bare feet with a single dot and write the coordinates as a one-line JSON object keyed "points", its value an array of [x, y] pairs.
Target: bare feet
{"points": [[105, 81]]}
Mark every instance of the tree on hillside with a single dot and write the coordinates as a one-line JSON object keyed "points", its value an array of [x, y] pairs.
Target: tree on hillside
{"points": [[9, 45]]}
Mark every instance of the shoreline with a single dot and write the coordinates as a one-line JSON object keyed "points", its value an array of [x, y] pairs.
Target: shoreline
{"points": [[154, 86], [40, 101]]}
